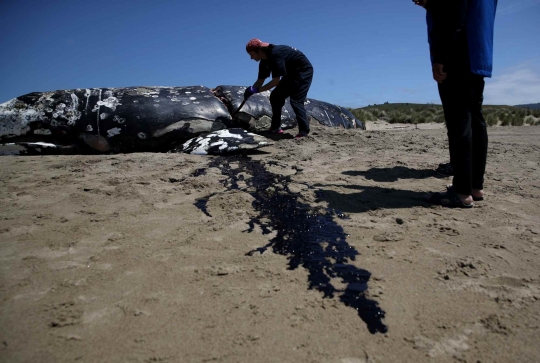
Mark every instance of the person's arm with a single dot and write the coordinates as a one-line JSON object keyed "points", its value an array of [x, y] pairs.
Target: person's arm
{"points": [[448, 19], [258, 87], [273, 83]]}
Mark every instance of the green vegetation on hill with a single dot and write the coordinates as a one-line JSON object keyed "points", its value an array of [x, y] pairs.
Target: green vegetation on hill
{"points": [[413, 113], [532, 106]]}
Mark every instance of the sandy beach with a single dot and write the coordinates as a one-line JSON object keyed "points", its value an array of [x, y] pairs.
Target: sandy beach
{"points": [[313, 250]]}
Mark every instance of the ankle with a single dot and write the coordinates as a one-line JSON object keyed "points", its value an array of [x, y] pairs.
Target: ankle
{"points": [[467, 199], [477, 192]]}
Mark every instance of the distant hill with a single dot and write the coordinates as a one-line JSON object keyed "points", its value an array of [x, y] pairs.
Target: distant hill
{"points": [[532, 106], [417, 113]]}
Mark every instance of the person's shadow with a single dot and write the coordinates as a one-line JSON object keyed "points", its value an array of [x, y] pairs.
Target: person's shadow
{"points": [[393, 174], [370, 197], [277, 137]]}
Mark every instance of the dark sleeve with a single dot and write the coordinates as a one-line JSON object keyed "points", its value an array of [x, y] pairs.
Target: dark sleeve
{"points": [[264, 70], [448, 19]]}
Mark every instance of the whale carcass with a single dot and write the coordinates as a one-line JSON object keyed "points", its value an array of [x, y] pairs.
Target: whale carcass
{"points": [[113, 119], [135, 119]]}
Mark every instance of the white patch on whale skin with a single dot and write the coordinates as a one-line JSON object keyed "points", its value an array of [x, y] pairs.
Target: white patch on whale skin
{"points": [[14, 121], [42, 132], [119, 119], [69, 112], [113, 132], [150, 93], [193, 98], [202, 146], [72, 112], [226, 133], [98, 107], [87, 94], [43, 144], [221, 143], [103, 116], [89, 128], [224, 141], [110, 102]]}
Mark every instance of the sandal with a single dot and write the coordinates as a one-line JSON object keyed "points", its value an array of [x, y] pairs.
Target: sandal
{"points": [[448, 199], [476, 199]]}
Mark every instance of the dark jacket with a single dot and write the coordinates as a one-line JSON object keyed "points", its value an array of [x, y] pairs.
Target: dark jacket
{"points": [[283, 61], [469, 20]]}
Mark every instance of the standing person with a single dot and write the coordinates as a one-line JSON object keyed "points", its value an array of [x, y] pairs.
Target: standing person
{"points": [[292, 74], [444, 169], [461, 47]]}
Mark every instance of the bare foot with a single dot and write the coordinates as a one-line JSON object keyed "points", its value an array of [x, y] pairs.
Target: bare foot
{"points": [[466, 199], [477, 193]]}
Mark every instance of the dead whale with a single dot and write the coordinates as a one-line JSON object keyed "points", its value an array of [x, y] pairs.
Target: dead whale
{"points": [[331, 115], [113, 119], [139, 119]]}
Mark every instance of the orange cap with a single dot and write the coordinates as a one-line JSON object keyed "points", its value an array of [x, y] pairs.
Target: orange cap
{"points": [[255, 44]]}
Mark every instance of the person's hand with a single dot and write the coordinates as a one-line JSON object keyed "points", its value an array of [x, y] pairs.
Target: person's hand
{"points": [[250, 91], [439, 74], [421, 3]]}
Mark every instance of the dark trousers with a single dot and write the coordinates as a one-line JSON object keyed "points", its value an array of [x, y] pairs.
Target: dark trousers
{"points": [[462, 96], [296, 88]]}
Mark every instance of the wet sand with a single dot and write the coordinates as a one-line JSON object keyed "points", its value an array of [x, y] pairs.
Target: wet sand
{"points": [[312, 250]]}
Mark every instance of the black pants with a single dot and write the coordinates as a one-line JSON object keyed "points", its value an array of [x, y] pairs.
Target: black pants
{"points": [[296, 88], [462, 94]]}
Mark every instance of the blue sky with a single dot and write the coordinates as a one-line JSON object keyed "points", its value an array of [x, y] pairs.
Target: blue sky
{"points": [[363, 52]]}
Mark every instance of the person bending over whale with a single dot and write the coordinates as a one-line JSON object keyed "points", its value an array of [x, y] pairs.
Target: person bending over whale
{"points": [[292, 74]]}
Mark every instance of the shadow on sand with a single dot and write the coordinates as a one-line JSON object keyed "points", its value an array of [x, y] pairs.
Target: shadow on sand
{"points": [[393, 174]]}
